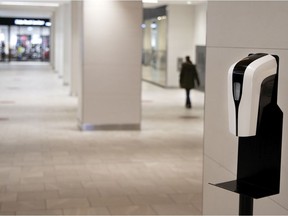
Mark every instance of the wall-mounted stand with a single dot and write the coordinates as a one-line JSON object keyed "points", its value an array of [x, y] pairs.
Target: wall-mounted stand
{"points": [[253, 86]]}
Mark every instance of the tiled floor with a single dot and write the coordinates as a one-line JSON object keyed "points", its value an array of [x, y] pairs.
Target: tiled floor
{"points": [[48, 167]]}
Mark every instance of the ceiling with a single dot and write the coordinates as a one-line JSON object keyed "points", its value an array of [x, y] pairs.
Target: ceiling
{"points": [[34, 9], [38, 11]]}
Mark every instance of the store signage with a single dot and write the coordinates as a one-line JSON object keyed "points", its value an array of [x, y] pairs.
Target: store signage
{"points": [[29, 22], [24, 21]]}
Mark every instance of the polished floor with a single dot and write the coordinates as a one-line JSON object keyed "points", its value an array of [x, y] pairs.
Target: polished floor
{"points": [[49, 167]]}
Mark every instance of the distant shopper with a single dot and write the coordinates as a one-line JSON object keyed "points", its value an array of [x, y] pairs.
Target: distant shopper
{"points": [[3, 51], [188, 77]]}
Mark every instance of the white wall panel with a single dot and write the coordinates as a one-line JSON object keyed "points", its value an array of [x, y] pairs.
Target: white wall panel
{"points": [[52, 41], [58, 53], [223, 49], [76, 49], [254, 24], [186, 29], [180, 39], [200, 24], [67, 43]]}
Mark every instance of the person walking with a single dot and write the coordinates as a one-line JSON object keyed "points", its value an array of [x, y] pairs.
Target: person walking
{"points": [[3, 51], [188, 76]]}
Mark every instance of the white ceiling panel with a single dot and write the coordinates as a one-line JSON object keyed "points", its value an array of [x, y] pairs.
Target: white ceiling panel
{"points": [[29, 8]]}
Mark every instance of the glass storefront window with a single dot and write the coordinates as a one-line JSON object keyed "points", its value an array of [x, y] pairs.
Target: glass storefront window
{"points": [[155, 50], [24, 43]]}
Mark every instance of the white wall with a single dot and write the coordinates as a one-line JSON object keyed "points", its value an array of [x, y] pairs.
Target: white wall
{"points": [[180, 39], [67, 43], [58, 53], [235, 29], [111, 85], [186, 29], [52, 41], [62, 42], [200, 24], [76, 49]]}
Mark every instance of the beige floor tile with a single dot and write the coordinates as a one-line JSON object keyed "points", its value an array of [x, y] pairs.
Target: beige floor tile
{"points": [[137, 182], [72, 178], [132, 210], [155, 189], [91, 192], [43, 195], [108, 176], [110, 201], [63, 185], [191, 188], [117, 191], [30, 180], [7, 197], [87, 211], [9, 181], [7, 213], [25, 187], [151, 199], [191, 199], [176, 209], [23, 206], [40, 212], [36, 169], [78, 193], [67, 203], [100, 184]]}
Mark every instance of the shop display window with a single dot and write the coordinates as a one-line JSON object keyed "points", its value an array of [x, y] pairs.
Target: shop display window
{"points": [[24, 43]]}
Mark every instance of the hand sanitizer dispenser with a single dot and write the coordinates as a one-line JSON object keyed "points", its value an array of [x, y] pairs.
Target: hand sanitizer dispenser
{"points": [[250, 87], [256, 119]]}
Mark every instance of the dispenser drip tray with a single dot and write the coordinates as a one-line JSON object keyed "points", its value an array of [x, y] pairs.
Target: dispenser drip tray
{"points": [[245, 188]]}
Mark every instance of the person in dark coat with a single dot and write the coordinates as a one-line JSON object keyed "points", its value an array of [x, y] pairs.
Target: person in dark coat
{"points": [[188, 77]]}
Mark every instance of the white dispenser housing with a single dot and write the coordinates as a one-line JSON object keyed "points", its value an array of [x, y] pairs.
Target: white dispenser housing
{"points": [[246, 79]]}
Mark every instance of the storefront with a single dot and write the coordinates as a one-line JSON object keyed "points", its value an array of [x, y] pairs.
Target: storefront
{"points": [[24, 39]]}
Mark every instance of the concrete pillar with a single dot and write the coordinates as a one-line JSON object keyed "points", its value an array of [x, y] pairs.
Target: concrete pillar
{"points": [[63, 42], [110, 97], [76, 49], [67, 43], [52, 41], [59, 32]]}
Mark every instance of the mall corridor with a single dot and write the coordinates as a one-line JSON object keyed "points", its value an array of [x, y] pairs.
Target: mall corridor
{"points": [[49, 167]]}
